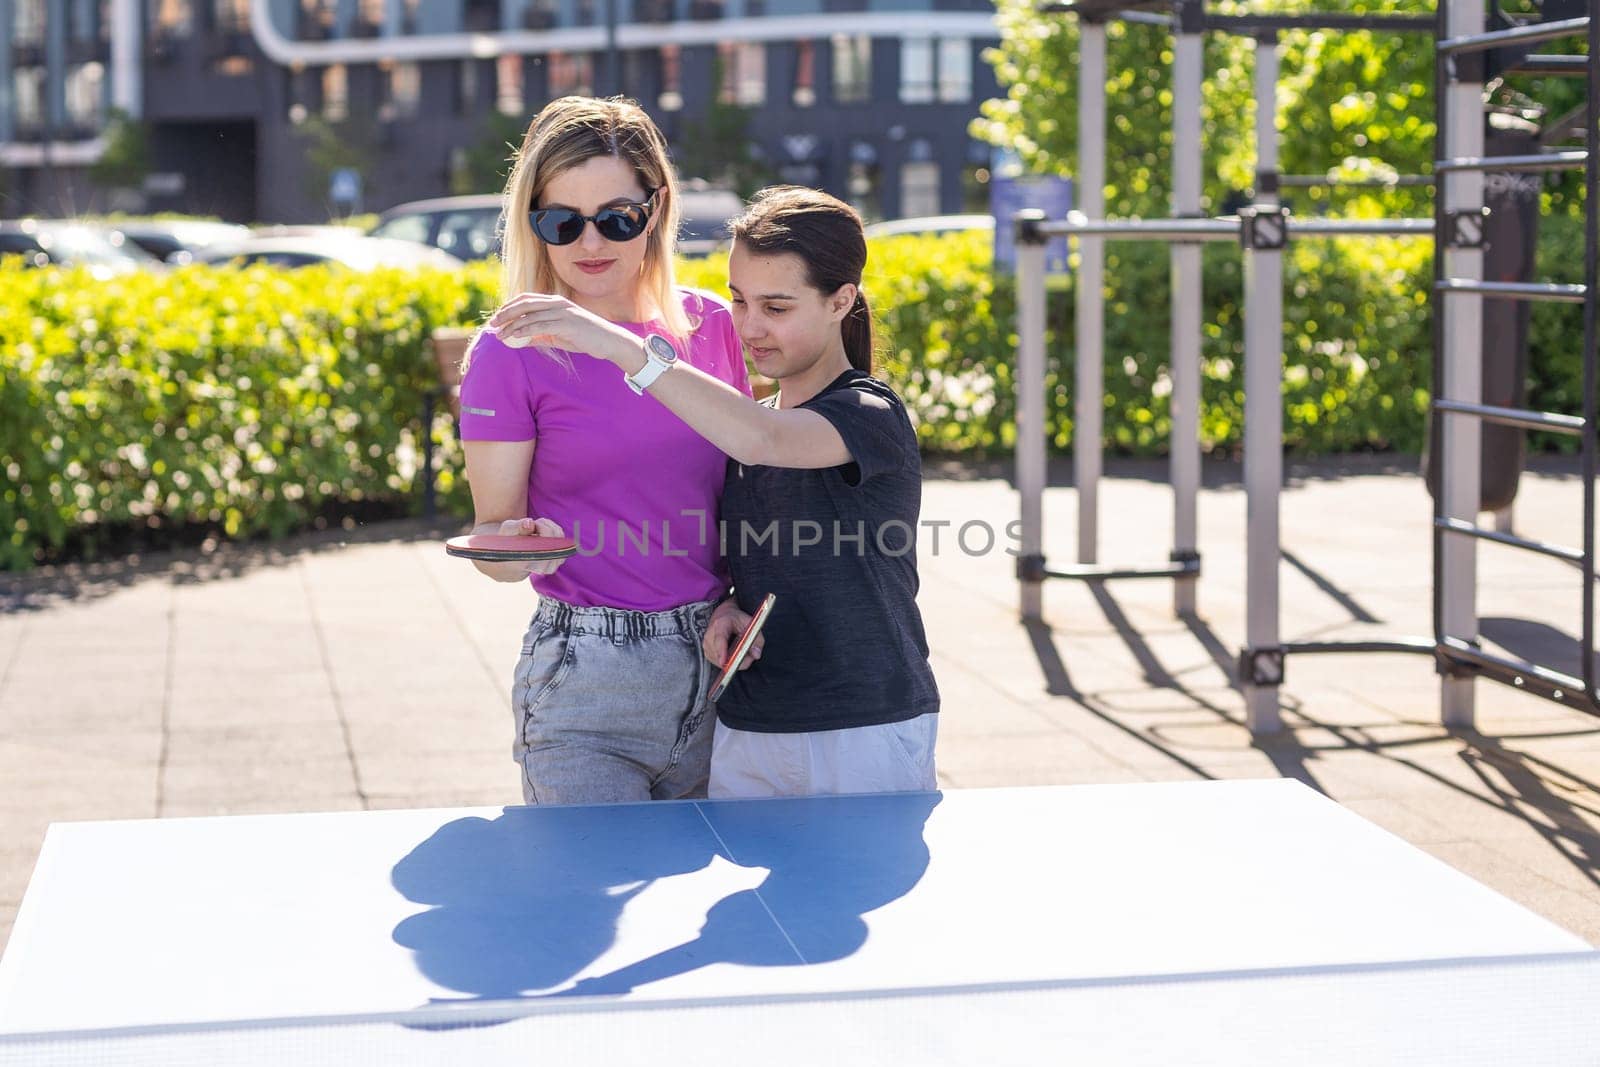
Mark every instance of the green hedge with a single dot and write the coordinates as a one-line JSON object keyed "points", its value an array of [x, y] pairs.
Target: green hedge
{"points": [[252, 400], [245, 399]]}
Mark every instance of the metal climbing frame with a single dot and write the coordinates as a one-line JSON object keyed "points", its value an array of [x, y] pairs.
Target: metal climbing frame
{"points": [[1465, 49]]}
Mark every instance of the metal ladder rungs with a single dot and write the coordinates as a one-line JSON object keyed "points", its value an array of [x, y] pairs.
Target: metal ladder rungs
{"points": [[1467, 529], [1570, 160], [1524, 418], [1547, 292], [1530, 34]]}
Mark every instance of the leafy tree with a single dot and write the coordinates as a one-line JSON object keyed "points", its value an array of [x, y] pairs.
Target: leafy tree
{"points": [[486, 165], [126, 159], [719, 148], [1356, 104], [330, 146]]}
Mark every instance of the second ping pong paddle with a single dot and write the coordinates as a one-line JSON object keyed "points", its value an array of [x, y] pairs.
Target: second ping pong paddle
{"points": [[498, 548]]}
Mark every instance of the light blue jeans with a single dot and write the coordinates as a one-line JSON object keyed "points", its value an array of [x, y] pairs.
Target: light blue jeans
{"points": [[611, 705]]}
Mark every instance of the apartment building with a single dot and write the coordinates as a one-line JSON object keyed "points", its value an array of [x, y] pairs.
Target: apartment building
{"points": [[869, 99]]}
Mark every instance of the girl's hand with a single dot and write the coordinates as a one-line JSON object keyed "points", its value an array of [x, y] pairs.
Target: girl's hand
{"points": [[517, 570], [555, 321], [727, 623]]}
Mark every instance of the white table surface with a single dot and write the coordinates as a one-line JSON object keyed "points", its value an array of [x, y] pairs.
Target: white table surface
{"points": [[1212, 920]]}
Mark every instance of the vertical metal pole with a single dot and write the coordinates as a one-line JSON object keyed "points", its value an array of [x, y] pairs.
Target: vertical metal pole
{"points": [[1462, 325], [1263, 404], [1184, 360], [1591, 409], [1030, 410], [1090, 326]]}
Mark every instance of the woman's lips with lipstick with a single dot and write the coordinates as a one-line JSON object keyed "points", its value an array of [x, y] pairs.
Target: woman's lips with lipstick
{"points": [[594, 266]]}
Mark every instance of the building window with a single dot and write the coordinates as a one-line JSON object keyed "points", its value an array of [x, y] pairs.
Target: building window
{"points": [[316, 18], [27, 22], [671, 98], [919, 189], [862, 186], [570, 74], [935, 70], [852, 69], [402, 87], [335, 94], [85, 92], [231, 16], [508, 92], [805, 74], [744, 73], [467, 87], [28, 83], [171, 18], [955, 70], [916, 70], [371, 13]]}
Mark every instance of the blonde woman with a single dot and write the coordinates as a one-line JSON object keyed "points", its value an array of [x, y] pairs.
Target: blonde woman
{"points": [[609, 693]]}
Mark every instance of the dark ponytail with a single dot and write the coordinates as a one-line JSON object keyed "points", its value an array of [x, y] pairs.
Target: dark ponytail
{"points": [[857, 330], [826, 234]]}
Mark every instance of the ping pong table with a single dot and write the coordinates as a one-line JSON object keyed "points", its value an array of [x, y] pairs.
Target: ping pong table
{"points": [[1197, 923]]}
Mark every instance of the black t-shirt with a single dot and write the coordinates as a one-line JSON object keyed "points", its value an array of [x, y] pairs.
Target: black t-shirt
{"points": [[845, 645]]}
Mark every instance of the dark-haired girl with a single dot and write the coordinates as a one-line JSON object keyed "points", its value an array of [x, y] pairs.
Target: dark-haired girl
{"points": [[820, 507]]}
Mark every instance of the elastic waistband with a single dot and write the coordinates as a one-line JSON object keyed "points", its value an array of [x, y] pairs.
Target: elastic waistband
{"points": [[620, 624]]}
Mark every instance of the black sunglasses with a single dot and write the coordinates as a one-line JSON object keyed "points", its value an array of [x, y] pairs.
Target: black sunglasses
{"points": [[562, 225]]}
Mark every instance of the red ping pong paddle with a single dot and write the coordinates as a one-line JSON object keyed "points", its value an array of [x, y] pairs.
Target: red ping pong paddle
{"points": [[498, 548], [742, 647]]}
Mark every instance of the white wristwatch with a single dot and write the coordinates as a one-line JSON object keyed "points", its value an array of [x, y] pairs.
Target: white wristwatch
{"points": [[659, 355]]}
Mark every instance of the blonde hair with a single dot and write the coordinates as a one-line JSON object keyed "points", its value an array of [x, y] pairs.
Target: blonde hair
{"points": [[568, 132]]}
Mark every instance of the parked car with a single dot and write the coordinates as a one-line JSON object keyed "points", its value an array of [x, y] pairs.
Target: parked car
{"points": [[350, 249], [930, 224], [175, 241], [467, 227], [61, 242]]}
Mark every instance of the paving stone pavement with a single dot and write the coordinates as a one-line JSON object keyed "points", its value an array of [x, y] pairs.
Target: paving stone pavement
{"points": [[366, 669]]}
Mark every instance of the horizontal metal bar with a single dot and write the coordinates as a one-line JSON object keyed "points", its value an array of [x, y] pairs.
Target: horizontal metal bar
{"points": [[1423, 645], [1326, 227], [1089, 572], [1320, 181], [1321, 20], [1527, 420], [1467, 529], [1146, 229], [1543, 161], [1555, 66], [1518, 673], [1538, 31], [1546, 292], [1226, 228]]}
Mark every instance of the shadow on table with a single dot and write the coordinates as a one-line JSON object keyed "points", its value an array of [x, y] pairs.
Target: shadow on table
{"points": [[524, 903]]}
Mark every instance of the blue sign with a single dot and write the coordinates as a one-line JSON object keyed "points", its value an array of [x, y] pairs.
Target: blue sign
{"points": [[344, 187], [1008, 195]]}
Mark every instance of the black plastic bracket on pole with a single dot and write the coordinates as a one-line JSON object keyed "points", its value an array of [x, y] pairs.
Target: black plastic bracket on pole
{"points": [[1030, 227], [1263, 229], [1261, 666], [1464, 229], [1190, 15]]}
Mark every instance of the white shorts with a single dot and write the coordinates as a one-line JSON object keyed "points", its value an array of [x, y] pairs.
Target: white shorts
{"points": [[893, 758]]}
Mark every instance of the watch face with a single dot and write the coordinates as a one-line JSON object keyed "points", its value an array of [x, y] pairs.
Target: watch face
{"points": [[661, 348]]}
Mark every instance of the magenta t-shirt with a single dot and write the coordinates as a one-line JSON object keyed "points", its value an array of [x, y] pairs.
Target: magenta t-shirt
{"points": [[627, 478]]}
